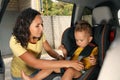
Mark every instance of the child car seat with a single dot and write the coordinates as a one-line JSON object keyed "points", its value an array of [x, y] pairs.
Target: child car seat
{"points": [[101, 36], [102, 28], [68, 40]]}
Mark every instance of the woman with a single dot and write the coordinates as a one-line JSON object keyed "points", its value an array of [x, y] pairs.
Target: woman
{"points": [[27, 42]]}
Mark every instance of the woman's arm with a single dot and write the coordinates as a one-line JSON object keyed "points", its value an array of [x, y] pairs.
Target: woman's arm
{"points": [[64, 50], [51, 52], [30, 60]]}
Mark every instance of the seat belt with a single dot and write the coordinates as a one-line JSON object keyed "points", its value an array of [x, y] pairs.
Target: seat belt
{"points": [[86, 51]]}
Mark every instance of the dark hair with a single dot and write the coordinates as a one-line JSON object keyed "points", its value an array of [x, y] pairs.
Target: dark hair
{"points": [[21, 30], [83, 26]]}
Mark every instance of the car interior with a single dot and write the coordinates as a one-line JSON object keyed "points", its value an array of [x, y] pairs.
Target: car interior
{"points": [[104, 21], [3, 5], [103, 16], [102, 37]]}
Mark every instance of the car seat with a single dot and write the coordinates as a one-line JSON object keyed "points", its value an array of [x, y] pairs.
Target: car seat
{"points": [[68, 40], [102, 28]]}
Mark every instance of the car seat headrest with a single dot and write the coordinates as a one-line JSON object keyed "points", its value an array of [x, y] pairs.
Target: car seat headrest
{"points": [[101, 14]]}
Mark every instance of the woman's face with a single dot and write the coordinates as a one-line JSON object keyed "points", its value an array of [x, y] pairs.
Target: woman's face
{"points": [[36, 27]]}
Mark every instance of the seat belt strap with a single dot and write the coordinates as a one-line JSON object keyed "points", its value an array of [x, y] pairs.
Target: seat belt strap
{"points": [[87, 50]]}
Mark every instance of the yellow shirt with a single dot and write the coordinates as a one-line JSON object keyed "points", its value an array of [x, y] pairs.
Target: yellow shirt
{"points": [[17, 64], [86, 59]]}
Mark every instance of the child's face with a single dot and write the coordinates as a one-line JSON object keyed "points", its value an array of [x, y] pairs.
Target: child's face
{"points": [[82, 38]]}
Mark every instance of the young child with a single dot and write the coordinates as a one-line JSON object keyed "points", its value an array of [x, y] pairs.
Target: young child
{"points": [[83, 37]]}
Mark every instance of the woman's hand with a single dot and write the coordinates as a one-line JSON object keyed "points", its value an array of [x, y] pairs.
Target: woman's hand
{"points": [[93, 60], [63, 49], [76, 65], [60, 57]]}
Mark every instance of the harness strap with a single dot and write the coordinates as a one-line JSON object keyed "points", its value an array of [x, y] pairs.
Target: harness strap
{"points": [[86, 51]]}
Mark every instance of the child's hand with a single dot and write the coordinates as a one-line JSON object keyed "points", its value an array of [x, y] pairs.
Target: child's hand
{"points": [[92, 60]]}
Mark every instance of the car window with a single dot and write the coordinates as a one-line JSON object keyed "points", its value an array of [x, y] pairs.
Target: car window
{"points": [[87, 15]]}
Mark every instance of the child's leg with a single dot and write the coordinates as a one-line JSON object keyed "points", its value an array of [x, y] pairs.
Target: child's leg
{"points": [[71, 73], [57, 70], [39, 76], [42, 74]]}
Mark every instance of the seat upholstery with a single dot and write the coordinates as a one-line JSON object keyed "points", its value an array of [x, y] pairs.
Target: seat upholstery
{"points": [[101, 14], [68, 40], [102, 27]]}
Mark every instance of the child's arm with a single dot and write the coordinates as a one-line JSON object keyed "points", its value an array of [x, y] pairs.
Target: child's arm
{"points": [[91, 60], [93, 57]]}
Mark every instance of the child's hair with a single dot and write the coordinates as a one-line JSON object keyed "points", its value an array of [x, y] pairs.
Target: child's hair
{"points": [[83, 26]]}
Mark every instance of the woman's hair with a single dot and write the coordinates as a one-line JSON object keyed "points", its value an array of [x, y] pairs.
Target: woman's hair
{"points": [[83, 26], [21, 29]]}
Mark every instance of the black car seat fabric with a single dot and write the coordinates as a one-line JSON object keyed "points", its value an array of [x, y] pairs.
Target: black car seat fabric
{"points": [[68, 40], [102, 27]]}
